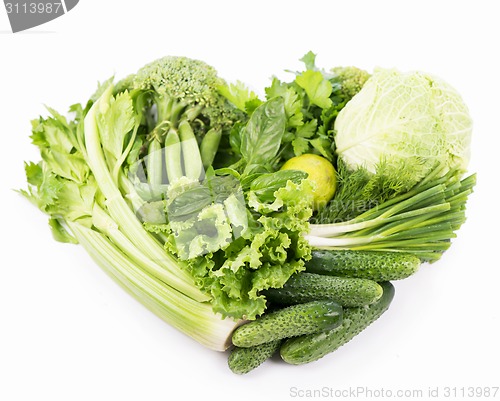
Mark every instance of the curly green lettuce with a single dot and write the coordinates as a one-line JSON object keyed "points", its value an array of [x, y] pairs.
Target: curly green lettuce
{"points": [[234, 251]]}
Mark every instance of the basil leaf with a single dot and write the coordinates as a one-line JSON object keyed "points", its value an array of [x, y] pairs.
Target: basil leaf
{"points": [[261, 138], [189, 203], [266, 185]]}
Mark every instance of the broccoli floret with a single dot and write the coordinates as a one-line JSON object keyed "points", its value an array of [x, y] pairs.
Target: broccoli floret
{"points": [[347, 81], [183, 88], [126, 83]]}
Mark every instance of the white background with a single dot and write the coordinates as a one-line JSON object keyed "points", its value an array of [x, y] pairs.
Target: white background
{"points": [[67, 332]]}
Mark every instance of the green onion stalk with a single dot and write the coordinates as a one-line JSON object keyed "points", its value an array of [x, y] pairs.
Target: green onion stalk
{"points": [[421, 221]]}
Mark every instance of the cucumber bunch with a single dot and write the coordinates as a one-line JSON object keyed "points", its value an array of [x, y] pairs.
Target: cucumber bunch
{"points": [[319, 310]]}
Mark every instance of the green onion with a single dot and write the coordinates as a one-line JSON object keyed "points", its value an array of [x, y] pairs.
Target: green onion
{"points": [[421, 221]]}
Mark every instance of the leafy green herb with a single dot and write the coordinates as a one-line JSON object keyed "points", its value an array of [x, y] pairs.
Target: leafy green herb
{"points": [[239, 95], [317, 88], [262, 135]]}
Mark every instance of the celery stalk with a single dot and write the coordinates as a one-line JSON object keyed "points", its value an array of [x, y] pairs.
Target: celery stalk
{"points": [[196, 319], [121, 212]]}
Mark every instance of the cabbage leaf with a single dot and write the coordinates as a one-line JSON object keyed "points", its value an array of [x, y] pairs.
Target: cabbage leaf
{"points": [[406, 122]]}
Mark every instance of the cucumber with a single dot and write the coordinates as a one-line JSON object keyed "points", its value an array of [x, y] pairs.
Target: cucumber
{"points": [[309, 348], [243, 360], [292, 321], [306, 287], [374, 265]]}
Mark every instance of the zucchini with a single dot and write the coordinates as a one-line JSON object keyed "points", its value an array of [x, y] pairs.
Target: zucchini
{"points": [[309, 348], [292, 321], [243, 360], [374, 265], [306, 287]]}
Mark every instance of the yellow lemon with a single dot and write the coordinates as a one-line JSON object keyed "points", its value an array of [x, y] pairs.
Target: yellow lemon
{"points": [[320, 171]]}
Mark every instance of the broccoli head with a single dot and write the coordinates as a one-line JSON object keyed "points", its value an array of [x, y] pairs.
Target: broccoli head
{"points": [[347, 81], [182, 88]]}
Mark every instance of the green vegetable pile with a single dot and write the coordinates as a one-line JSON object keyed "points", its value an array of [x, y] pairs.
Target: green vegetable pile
{"points": [[263, 225]]}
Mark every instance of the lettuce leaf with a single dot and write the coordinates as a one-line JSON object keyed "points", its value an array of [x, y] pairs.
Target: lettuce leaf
{"points": [[269, 251]]}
